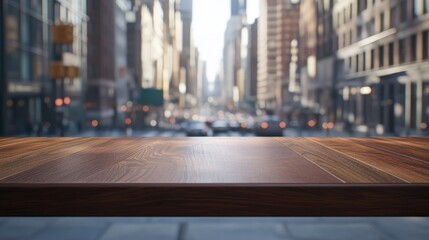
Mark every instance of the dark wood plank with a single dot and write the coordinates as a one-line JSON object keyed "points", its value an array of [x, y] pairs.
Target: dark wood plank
{"points": [[214, 200], [22, 161], [419, 142], [178, 160], [403, 167], [387, 145], [344, 167], [213, 177], [27, 146]]}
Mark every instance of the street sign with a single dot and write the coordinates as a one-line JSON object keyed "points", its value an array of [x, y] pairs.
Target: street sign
{"points": [[151, 97], [62, 33], [56, 69], [71, 72]]}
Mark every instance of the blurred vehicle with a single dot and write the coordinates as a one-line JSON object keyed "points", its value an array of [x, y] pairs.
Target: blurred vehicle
{"points": [[247, 126], [219, 126], [196, 128], [233, 125], [269, 125]]}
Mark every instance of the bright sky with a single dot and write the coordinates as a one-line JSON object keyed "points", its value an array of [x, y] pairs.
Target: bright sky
{"points": [[209, 23]]}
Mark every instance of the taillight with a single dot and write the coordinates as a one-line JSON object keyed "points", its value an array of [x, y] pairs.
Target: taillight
{"points": [[282, 124], [264, 125]]}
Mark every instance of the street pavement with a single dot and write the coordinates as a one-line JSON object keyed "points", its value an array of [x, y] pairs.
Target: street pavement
{"points": [[187, 228], [154, 132]]}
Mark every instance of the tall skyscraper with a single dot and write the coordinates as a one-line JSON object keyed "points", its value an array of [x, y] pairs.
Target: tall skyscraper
{"points": [[107, 58], [238, 7], [277, 28], [308, 27], [235, 55]]}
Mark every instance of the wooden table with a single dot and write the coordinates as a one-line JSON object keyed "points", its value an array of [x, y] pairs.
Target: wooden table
{"points": [[214, 176]]}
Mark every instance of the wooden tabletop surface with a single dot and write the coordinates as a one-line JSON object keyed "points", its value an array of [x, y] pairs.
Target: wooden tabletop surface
{"points": [[214, 176]]}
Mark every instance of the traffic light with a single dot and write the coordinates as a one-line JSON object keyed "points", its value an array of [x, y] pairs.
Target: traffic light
{"points": [[59, 102]]}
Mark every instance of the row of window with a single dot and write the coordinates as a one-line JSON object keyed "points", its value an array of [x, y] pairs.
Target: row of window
{"points": [[372, 111], [395, 53], [371, 27], [419, 7]]}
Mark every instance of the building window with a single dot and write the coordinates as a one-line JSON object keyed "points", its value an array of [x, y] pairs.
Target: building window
{"points": [[381, 22], [344, 40], [413, 112], [391, 54], [416, 8], [363, 61], [338, 19], [370, 27], [25, 66], [402, 51], [357, 63], [12, 24], [351, 11], [351, 37], [426, 6], [381, 56], [13, 63], [372, 58], [403, 7], [36, 32], [393, 17], [426, 44], [344, 16], [414, 47], [359, 32], [350, 63]]}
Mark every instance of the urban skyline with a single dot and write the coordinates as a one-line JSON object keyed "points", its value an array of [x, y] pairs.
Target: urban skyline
{"points": [[359, 65]]}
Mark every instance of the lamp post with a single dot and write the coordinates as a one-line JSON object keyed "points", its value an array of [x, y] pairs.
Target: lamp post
{"points": [[62, 35]]}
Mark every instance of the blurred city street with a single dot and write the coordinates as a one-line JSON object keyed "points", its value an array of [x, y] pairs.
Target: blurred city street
{"points": [[186, 228]]}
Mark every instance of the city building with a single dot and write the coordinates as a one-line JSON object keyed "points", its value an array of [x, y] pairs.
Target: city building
{"points": [[308, 57], [278, 26], [134, 45], [382, 67], [252, 70], [235, 55], [187, 63], [106, 37], [326, 58], [28, 91]]}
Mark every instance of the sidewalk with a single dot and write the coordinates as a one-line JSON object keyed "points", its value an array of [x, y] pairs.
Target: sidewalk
{"points": [[185, 228]]}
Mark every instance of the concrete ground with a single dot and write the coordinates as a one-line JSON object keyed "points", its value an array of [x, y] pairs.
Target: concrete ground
{"points": [[185, 228]]}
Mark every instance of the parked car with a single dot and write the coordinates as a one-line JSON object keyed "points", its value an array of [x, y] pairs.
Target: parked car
{"points": [[220, 126], [269, 125], [196, 128], [233, 125]]}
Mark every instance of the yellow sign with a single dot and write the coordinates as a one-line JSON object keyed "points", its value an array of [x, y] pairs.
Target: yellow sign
{"points": [[56, 69], [71, 72], [62, 33]]}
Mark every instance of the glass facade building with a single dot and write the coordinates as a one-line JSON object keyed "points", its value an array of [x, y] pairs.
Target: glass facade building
{"points": [[28, 101]]}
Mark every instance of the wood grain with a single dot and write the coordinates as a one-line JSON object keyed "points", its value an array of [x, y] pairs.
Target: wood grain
{"points": [[403, 167], [339, 164], [178, 161], [214, 176]]}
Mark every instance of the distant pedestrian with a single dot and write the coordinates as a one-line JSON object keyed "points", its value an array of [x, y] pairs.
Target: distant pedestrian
{"points": [[40, 129], [348, 126], [29, 128]]}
